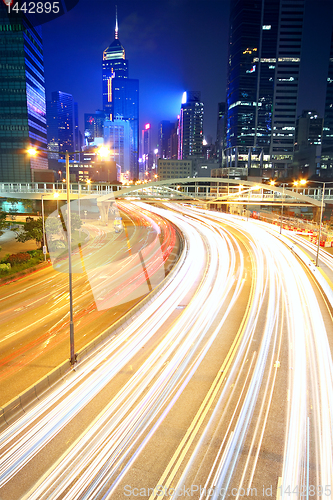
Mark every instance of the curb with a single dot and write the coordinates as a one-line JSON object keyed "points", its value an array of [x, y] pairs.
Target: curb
{"points": [[13, 279], [317, 273], [21, 403]]}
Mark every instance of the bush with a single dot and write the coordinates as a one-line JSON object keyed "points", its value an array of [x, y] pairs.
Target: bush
{"points": [[35, 253], [4, 268], [18, 258], [4, 259]]}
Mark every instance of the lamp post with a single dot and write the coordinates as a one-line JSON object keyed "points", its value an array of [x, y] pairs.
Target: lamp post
{"points": [[78, 197], [70, 281], [33, 152], [321, 216], [272, 183], [43, 224], [303, 182], [320, 222], [102, 152], [282, 207], [248, 200]]}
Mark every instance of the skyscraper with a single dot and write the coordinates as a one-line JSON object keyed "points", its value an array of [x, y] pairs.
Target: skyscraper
{"points": [[117, 137], [60, 123], [190, 125], [220, 131], [326, 168], [22, 98], [145, 140], [93, 125], [307, 150], [121, 94], [263, 72], [165, 129]]}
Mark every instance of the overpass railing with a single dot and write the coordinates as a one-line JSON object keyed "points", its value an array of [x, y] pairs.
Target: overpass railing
{"points": [[149, 191]]}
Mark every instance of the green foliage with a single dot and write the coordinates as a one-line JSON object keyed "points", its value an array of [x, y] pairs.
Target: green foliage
{"points": [[32, 230], [5, 268], [4, 259], [35, 253], [21, 264], [52, 226], [3, 223], [28, 204], [76, 221]]}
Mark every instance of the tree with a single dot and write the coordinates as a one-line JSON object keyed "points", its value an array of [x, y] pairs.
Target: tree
{"points": [[76, 221], [32, 230], [3, 223], [53, 226]]}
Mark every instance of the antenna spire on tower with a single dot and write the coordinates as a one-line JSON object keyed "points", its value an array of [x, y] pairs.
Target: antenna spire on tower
{"points": [[116, 29]]}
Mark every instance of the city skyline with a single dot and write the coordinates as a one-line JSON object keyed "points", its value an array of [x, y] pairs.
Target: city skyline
{"points": [[171, 48]]}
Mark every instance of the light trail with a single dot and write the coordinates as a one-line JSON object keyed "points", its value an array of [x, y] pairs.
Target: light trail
{"points": [[282, 336]]}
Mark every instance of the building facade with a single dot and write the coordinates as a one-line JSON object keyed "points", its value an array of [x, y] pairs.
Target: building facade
{"points": [[263, 76], [117, 138], [307, 150], [165, 129], [326, 164], [93, 126], [22, 98], [174, 169], [60, 124], [190, 125], [220, 131], [121, 95]]}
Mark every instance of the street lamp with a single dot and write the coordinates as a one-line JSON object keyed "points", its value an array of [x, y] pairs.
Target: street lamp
{"points": [[255, 188], [282, 206], [56, 195], [43, 224], [321, 216], [295, 183], [33, 152]]}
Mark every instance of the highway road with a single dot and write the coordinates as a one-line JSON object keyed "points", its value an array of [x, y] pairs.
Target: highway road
{"points": [[34, 311], [221, 387]]}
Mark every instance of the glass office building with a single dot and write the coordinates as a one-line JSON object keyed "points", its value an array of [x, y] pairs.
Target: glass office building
{"points": [[60, 123], [126, 107], [121, 95], [22, 98], [326, 164], [190, 125], [263, 73]]}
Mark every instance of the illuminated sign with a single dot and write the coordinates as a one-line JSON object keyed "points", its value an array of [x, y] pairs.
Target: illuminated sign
{"points": [[184, 98], [252, 70], [147, 126]]}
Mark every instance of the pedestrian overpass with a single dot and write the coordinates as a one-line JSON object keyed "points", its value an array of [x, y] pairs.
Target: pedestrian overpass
{"points": [[206, 191]]}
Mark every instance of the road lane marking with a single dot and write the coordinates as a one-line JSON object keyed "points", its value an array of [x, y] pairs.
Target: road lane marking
{"points": [[193, 429]]}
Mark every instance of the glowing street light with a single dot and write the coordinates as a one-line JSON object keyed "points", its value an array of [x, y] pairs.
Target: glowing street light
{"points": [[33, 152], [103, 152]]}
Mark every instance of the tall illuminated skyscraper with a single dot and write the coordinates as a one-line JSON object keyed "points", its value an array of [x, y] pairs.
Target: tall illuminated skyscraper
{"points": [[326, 165], [22, 98], [121, 94], [263, 76], [190, 125], [60, 123]]}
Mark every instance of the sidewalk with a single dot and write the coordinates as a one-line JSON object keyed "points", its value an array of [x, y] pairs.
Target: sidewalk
{"points": [[9, 245]]}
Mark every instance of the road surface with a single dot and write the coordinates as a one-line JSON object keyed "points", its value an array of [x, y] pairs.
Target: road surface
{"points": [[223, 386]]}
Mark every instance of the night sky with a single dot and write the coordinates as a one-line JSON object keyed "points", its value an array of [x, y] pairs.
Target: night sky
{"points": [[172, 46]]}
